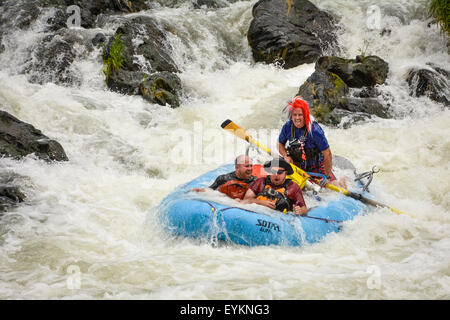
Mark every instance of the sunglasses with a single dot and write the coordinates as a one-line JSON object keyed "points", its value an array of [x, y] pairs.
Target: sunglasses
{"points": [[279, 171]]}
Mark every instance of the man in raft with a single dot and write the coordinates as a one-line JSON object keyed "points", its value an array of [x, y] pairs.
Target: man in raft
{"points": [[308, 147], [275, 191], [234, 184]]}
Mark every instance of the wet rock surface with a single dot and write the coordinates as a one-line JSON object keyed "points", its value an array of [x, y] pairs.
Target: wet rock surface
{"points": [[19, 139], [329, 90], [290, 32], [432, 83]]}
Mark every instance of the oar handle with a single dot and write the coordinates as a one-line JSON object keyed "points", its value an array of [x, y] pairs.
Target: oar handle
{"points": [[363, 199]]}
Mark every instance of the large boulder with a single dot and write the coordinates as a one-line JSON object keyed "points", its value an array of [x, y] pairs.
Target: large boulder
{"points": [[90, 10], [323, 91], [356, 73], [345, 88], [51, 60], [290, 32], [141, 36], [433, 83], [19, 139], [140, 46], [161, 88]]}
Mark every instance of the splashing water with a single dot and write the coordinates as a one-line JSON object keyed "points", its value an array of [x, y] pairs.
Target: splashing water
{"points": [[88, 229]]}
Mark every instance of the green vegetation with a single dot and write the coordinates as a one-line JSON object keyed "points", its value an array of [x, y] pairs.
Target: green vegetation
{"points": [[440, 10], [115, 57], [363, 51]]}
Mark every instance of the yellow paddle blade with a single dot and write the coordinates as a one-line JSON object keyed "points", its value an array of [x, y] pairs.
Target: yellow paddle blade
{"points": [[236, 130], [239, 132]]}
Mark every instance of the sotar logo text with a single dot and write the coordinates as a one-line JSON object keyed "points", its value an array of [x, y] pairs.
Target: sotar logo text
{"points": [[266, 226]]}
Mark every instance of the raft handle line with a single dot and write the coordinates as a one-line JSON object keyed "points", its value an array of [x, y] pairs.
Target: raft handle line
{"points": [[312, 217], [324, 219]]}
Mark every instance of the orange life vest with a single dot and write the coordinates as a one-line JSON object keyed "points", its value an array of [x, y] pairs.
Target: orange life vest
{"points": [[276, 195], [234, 189]]}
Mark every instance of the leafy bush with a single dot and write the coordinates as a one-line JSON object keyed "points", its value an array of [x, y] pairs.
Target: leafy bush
{"points": [[114, 59], [440, 10]]}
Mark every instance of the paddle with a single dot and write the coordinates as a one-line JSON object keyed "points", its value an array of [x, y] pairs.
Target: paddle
{"points": [[299, 174]]}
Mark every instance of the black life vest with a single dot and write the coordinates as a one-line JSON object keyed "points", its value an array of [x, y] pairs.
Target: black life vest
{"points": [[276, 195], [306, 158]]}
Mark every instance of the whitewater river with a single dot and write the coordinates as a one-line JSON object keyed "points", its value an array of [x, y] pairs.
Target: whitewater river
{"points": [[88, 229]]}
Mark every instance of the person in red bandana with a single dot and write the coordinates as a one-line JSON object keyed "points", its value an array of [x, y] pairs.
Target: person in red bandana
{"points": [[303, 142]]}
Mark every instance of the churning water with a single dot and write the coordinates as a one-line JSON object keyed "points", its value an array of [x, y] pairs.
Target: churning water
{"points": [[88, 229]]}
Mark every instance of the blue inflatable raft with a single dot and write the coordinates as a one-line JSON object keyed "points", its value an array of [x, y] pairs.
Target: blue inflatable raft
{"points": [[190, 214]]}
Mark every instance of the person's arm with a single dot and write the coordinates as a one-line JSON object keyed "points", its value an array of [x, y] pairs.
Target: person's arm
{"points": [[321, 142], [216, 184], [282, 139], [250, 197], [296, 195], [327, 161], [198, 189], [300, 210], [282, 150]]}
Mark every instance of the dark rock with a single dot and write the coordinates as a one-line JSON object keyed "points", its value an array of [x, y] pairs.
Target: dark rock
{"points": [[18, 14], [9, 197], [349, 118], [385, 32], [323, 91], [139, 76], [366, 92], [365, 105], [10, 193], [99, 39], [57, 21], [356, 73], [18, 139], [51, 60], [432, 83], [328, 94], [125, 81], [130, 6], [151, 45], [196, 4], [291, 32], [209, 3], [89, 9], [2, 47], [162, 88]]}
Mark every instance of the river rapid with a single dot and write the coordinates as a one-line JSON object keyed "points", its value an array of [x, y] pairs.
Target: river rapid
{"points": [[89, 228]]}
